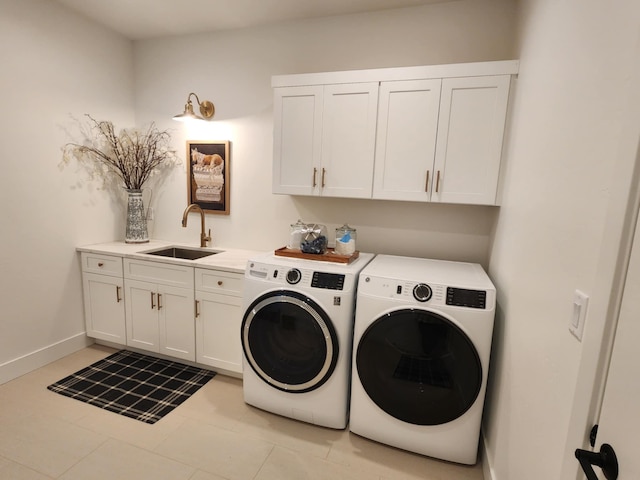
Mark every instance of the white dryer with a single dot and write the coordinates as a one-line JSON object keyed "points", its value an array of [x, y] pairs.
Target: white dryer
{"points": [[422, 342], [297, 334]]}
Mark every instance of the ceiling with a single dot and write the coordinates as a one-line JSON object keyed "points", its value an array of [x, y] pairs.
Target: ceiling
{"points": [[140, 19]]}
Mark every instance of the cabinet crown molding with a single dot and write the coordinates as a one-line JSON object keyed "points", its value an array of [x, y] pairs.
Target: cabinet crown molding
{"points": [[476, 69]]}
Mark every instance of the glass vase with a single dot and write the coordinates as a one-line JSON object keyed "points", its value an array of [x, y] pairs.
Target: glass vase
{"points": [[136, 231]]}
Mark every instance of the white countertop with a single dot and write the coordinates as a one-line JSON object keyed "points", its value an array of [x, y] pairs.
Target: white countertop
{"points": [[228, 259]]}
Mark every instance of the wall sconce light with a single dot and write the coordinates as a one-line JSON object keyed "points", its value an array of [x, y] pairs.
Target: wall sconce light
{"points": [[207, 110]]}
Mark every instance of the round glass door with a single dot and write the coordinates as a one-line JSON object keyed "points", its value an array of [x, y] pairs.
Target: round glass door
{"points": [[289, 341], [419, 367]]}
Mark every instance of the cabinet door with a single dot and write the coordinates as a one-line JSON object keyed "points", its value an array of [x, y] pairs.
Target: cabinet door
{"points": [[142, 315], [297, 131], [469, 142], [348, 139], [218, 320], [406, 139], [104, 307], [176, 322]]}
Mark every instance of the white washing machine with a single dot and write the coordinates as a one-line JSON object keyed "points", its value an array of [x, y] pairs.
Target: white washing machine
{"points": [[422, 342], [297, 334]]}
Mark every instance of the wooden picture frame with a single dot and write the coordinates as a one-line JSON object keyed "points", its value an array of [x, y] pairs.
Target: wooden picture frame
{"points": [[208, 164]]}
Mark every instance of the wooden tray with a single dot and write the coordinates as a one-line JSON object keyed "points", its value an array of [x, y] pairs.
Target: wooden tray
{"points": [[330, 256]]}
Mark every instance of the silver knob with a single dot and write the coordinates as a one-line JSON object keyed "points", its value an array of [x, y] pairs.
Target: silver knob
{"points": [[293, 276], [422, 292]]}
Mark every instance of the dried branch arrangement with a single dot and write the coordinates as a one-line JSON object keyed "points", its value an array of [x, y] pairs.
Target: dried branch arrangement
{"points": [[133, 155]]}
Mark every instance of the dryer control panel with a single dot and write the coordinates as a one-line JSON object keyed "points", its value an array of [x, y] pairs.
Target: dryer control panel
{"points": [[462, 297], [423, 293]]}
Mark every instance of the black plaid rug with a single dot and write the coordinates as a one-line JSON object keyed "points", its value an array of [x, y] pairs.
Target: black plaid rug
{"points": [[135, 385]]}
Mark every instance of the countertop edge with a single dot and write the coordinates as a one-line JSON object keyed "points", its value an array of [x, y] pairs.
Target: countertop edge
{"points": [[232, 260]]}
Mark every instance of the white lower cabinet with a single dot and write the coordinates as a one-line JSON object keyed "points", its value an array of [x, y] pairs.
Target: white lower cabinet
{"points": [[160, 313], [184, 312], [160, 319], [103, 293], [218, 319], [103, 307]]}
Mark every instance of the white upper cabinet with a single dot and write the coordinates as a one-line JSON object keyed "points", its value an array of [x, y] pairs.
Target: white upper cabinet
{"points": [[324, 139], [426, 134], [348, 139], [406, 140], [470, 134], [297, 136]]}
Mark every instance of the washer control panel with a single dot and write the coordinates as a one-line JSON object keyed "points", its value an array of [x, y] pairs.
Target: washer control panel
{"points": [[331, 281], [301, 277]]}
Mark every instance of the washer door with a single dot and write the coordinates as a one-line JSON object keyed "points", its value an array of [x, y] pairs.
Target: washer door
{"points": [[419, 367], [289, 341]]}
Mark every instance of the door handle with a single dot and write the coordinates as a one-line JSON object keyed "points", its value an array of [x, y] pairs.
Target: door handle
{"points": [[323, 173], [315, 172], [118, 298], [438, 181], [159, 301], [605, 459], [153, 300], [197, 308]]}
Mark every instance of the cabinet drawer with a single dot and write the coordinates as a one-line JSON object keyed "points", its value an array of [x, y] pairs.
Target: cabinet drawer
{"points": [[214, 281], [163, 273], [103, 264]]}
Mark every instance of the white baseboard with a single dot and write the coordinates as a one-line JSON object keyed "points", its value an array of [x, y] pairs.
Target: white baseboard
{"points": [[487, 467], [31, 361]]}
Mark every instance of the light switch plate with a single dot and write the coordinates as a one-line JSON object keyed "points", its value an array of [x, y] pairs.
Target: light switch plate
{"points": [[578, 314]]}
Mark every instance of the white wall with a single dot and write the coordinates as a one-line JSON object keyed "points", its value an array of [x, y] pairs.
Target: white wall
{"points": [[575, 66], [56, 64], [234, 69], [546, 238], [53, 64]]}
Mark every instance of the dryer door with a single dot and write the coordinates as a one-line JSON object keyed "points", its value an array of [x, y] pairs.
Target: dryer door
{"points": [[289, 341], [419, 367]]}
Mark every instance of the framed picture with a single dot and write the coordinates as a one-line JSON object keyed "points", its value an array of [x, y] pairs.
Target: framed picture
{"points": [[208, 175]]}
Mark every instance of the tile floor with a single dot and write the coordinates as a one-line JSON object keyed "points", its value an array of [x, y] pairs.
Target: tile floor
{"points": [[212, 436]]}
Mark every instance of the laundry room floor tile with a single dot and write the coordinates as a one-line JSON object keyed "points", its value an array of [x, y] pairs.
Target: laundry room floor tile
{"points": [[115, 459], [216, 450], [284, 463], [214, 435], [45, 444], [390, 463], [15, 471], [292, 434], [219, 402]]}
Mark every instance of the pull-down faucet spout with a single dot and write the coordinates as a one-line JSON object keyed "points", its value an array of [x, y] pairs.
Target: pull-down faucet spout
{"points": [[204, 238]]}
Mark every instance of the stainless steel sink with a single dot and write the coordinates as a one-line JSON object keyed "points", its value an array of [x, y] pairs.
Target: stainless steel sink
{"points": [[182, 253]]}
